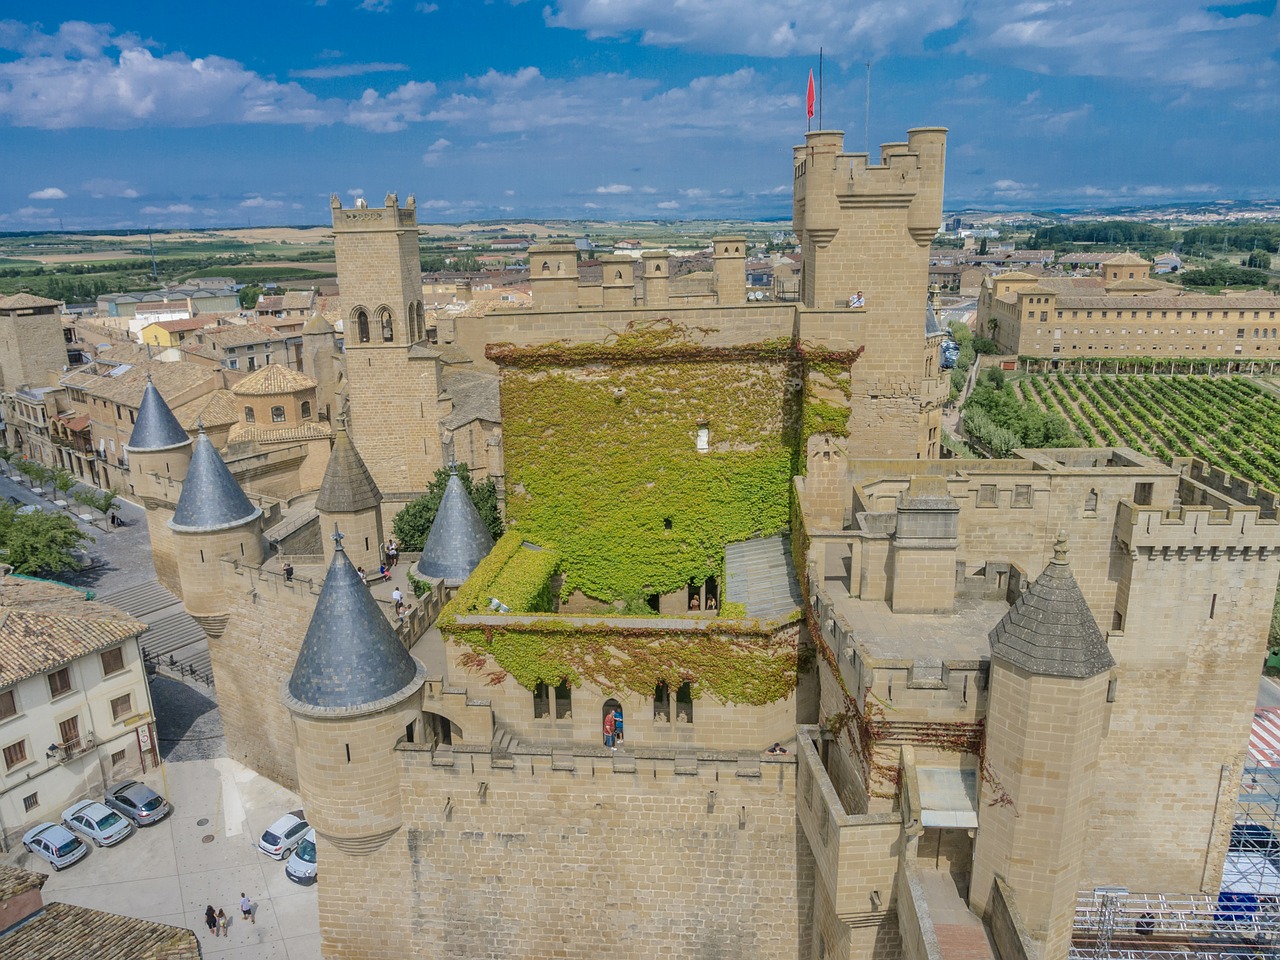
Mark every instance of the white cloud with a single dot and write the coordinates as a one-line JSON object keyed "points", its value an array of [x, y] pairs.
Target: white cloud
{"points": [[668, 205], [591, 206], [781, 28], [375, 6], [427, 7], [355, 192], [100, 188], [87, 75], [48, 193], [435, 204], [614, 188], [436, 151], [29, 212], [348, 70], [261, 202], [172, 208], [695, 193]]}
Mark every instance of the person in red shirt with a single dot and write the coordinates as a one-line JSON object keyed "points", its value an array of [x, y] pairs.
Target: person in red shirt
{"points": [[609, 728]]}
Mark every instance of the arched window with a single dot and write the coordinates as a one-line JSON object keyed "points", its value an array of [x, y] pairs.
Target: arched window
{"points": [[362, 326], [248, 415], [384, 321], [546, 266], [277, 414], [306, 409]]}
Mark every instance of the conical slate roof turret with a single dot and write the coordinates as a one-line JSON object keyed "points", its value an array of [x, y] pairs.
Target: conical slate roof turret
{"points": [[351, 659], [348, 486], [211, 499], [458, 540], [1050, 630], [156, 427]]}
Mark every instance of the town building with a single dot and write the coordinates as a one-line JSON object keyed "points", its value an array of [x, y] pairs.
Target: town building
{"points": [[1124, 313], [75, 708], [244, 347]]}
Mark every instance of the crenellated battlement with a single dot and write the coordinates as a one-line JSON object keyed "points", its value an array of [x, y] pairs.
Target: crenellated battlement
{"points": [[1195, 529], [361, 217]]}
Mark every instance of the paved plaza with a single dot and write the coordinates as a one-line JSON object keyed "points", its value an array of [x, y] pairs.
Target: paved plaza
{"points": [[203, 853]]}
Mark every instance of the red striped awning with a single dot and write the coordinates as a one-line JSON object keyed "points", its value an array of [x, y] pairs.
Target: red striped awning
{"points": [[1264, 740]]}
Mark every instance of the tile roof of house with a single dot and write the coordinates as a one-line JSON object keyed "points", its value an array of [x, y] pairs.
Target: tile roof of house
{"points": [[474, 396], [299, 299], [215, 409], [242, 335], [62, 931], [1127, 259], [177, 326], [44, 625], [271, 380], [307, 430], [24, 301], [1186, 301], [127, 385]]}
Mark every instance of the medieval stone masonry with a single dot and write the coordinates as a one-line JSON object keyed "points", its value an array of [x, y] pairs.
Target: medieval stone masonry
{"points": [[872, 701]]}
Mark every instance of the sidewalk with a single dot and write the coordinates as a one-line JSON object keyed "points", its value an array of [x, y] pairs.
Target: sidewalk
{"points": [[203, 853]]}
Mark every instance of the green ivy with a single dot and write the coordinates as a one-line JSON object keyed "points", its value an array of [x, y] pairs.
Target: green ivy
{"points": [[601, 458]]}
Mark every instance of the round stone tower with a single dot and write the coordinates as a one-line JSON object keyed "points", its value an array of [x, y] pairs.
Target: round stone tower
{"points": [[353, 694], [213, 519], [159, 453], [349, 499], [1047, 713]]}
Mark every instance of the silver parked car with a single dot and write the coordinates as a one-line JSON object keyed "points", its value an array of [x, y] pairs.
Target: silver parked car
{"points": [[301, 867], [55, 843], [279, 839], [98, 822], [138, 802]]}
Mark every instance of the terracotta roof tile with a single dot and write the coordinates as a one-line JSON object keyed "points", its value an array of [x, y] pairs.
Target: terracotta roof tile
{"points": [[23, 301], [65, 932], [273, 379]]}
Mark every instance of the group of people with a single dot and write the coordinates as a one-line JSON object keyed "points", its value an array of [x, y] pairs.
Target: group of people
{"points": [[217, 920], [696, 604], [613, 728], [392, 553]]}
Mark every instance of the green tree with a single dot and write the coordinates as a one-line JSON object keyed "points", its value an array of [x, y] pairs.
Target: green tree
{"points": [[249, 295], [39, 542], [982, 247], [1258, 260], [413, 523], [63, 480]]}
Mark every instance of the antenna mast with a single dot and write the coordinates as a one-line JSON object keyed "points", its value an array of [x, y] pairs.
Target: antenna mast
{"points": [[820, 126], [866, 125], [155, 274]]}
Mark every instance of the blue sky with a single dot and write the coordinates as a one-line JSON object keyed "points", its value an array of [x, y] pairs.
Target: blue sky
{"points": [[230, 113]]}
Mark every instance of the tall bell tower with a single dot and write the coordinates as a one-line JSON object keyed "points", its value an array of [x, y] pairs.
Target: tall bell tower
{"points": [[393, 380]]}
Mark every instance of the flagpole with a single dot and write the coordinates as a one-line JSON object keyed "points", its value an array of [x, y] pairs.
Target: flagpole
{"points": [[820, 126]]}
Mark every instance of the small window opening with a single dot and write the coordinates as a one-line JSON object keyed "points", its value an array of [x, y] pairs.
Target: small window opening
{"points": [[654, 600], [348, 746], [661, 702], [1142, 493], [408, 733], [1213, 606], [541, 702], [684, 703], [666, 523], [704, 439], [1091, 502], [277, 414], [1117, 620], [1111, 690], [564, 701], [248, 415]]}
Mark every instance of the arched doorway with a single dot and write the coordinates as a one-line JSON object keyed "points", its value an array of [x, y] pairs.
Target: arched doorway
{"points": [[440, 730], [611, 722]]}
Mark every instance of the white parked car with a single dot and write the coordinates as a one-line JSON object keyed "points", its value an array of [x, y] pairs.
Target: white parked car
{"points": [[301, 867], [98, 822], [279, 839]]}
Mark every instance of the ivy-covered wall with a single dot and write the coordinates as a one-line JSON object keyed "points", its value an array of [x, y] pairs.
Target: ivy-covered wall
{"points": [[600, 442]]}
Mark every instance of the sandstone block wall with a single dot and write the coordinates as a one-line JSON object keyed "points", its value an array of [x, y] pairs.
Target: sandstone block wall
{"points": [[576, 858]]}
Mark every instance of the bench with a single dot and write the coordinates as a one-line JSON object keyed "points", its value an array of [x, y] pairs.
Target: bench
{"points": [[376, 577]]}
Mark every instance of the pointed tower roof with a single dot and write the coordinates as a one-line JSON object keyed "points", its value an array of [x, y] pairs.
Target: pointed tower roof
{"points": [[211, 499], [458, 540], [351, 660], [348, 485], [318, 325], [156, 427], [1050, 630]]}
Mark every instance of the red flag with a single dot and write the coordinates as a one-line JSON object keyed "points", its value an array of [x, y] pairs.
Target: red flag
{"points": [[810, 95]]}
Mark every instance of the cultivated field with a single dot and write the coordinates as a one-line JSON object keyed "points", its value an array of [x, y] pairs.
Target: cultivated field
{"points": [[1229, 421]]}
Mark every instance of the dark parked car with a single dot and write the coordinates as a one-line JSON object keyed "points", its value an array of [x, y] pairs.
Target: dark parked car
{"points": [[138, 802]]}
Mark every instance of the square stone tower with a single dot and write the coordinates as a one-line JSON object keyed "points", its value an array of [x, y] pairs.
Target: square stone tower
{"points": [[393, 387], [865, 228]]}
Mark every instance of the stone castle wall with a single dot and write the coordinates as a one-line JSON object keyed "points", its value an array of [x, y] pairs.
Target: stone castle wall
{"points": [[576, 856]]}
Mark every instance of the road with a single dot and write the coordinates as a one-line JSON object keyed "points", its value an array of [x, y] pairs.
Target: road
{"points": [[1268, 693]]}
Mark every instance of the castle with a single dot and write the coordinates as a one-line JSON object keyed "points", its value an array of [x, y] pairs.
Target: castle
{"points": [[992, 685]]}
